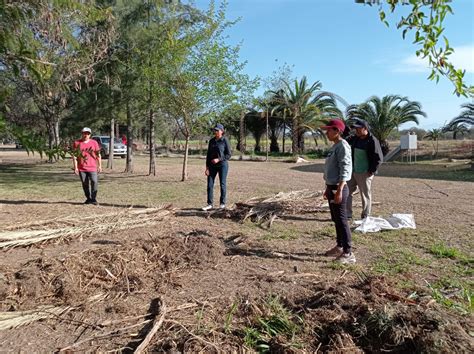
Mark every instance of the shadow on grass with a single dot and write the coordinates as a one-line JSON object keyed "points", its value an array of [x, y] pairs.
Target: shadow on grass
{"points": [[423, 171]]}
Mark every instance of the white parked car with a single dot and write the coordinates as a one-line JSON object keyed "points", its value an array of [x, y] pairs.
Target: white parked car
{"points": [[119, 148]]}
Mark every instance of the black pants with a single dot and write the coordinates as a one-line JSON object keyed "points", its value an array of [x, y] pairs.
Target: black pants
{"points": [[89, 178], [339, 216], [220, 170]]}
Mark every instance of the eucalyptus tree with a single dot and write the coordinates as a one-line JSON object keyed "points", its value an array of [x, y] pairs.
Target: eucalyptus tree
{"points": [[53, 49], [426, 20], [205, 78], [385, 114]]}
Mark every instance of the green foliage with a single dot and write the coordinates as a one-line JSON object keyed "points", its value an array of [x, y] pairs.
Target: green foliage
{"points": [[442, 251], [229, 317], [459, 299], [277, 321], [426, 21]]}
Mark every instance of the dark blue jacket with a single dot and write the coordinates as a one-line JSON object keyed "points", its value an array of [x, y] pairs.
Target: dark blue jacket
{"points": [[218, 149]]}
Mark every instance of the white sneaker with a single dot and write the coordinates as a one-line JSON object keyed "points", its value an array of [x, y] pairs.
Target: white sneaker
{"points": [[222, 206], [207, 207], [346, 258]]}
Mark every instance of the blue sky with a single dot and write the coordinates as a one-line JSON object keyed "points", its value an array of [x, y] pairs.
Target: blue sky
{"points": [[346, 47]]}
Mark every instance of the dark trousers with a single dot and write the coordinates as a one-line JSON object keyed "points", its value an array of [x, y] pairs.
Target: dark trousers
{"points": [[339, 216], [220, 170], [89, 184]]}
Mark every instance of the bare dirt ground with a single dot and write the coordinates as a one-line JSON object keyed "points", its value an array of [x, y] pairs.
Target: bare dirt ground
{"points": [[220, 285]]}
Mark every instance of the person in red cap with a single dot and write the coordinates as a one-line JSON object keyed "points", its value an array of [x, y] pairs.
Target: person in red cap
{"points": [[337, 172], [87, 165]]}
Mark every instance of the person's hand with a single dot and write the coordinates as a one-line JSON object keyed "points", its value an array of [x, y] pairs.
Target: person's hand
{"points": [[206, 172], [76, 171], [99, 169], [214, 161], [325, 194], [338, 197]]}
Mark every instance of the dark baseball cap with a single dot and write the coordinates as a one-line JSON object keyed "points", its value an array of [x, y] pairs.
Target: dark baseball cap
{"points": [[219, 127], [335, 123], [360, 123]]}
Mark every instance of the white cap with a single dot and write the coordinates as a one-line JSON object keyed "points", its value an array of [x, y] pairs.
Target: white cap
{"points": [[86, 130]]}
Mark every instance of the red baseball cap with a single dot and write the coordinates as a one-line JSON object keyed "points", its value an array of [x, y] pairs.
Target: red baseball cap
{"points": [[335, 123]]}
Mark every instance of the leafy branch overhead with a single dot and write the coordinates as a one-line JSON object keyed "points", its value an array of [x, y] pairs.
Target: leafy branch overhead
{"points": [[426, 21]]}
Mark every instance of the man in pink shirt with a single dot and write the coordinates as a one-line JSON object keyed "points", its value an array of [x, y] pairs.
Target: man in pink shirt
{"points": [[88, 164]]}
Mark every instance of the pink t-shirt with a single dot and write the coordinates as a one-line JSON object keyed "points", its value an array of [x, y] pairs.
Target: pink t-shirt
{"points": [[90, 151]]}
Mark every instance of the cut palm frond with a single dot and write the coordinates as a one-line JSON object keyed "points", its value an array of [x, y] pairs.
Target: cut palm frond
{"points": [[16, 319], [96, 224]]}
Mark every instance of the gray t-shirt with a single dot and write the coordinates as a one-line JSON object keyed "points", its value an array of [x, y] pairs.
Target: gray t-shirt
{"points": [[338, 166]]}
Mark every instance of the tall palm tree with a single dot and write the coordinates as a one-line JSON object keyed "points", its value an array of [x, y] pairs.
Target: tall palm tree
{"points": [[457, 128], [307, 106], [385, 114]]}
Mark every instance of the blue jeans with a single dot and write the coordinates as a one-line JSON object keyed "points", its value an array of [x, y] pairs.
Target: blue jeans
{"points": [[89, 178], [220, 170], [339, 216]]}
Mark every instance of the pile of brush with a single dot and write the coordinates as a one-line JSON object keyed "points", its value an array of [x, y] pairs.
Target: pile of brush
{"points": [[266, 210]]}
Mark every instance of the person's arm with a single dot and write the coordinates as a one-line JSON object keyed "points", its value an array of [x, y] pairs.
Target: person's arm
{"points": [[375, 156], [99, 162], [74, 160], [98, 157], [227, 150], [345, 170]]}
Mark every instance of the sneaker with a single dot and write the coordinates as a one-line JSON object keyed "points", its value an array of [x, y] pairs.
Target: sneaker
{"points": [[346, 258], [222, 206], [207, 207], [88, 201], [336, 251], [94, 202]]}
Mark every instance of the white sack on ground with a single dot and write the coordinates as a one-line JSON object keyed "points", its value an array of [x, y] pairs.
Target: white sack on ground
{"points": [[394, 222]]}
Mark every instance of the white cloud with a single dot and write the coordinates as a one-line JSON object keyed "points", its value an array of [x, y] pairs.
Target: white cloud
{"points": [[462, 58]]}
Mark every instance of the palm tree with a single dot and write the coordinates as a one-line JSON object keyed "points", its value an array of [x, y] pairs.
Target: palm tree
{"points": [[434, 135], [466, 116], [385, 114], [305, 111], [457, 128]]}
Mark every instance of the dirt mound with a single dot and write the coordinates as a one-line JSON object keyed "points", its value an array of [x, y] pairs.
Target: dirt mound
{"points": [[141, 266], [373, 316]]}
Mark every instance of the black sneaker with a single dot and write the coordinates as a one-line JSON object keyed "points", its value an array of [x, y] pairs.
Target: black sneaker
{"points": [[88, 201], [94, 202]]}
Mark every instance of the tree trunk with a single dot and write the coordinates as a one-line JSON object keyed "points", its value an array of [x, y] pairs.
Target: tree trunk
{"points": [[56, 133], [152, 169], [284, 131], [184, 175], [294, 137], [301, 147], [384, 146], [242, 134], [110, 161], [129, 164], [117, 129], [266, 135]]}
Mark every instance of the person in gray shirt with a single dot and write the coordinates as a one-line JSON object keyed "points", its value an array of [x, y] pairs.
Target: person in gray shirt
{"points": [[337, 172]]}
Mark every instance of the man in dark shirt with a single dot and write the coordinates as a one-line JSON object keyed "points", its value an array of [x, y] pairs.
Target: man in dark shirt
{"points": [[366, 159], [218, 155]]}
